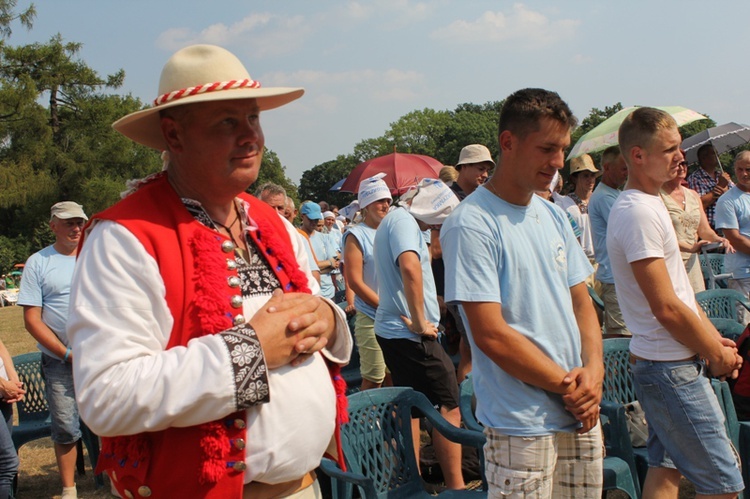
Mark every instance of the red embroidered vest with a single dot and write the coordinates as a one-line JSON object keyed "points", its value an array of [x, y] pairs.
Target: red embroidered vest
{"points": [[206, 460]]}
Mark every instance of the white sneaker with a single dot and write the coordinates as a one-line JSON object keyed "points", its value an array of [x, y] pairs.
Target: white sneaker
{"points": [[69, 493]]}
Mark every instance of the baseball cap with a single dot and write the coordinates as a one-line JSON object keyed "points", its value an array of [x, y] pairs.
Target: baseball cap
{"points": [[311, 211], [67, 209]]}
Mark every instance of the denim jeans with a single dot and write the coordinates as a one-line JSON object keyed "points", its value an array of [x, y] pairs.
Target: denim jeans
{"points": [[8, 456]]}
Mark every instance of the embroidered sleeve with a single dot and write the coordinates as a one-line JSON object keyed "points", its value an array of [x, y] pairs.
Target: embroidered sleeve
{"points": [[248, 366]]}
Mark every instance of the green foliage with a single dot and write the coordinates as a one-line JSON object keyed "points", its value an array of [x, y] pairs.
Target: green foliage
{"points": [[271, 170], [12, 251], [316, 182]]}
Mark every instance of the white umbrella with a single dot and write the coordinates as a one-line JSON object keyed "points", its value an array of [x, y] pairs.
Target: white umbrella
{"points": [[605, 134], [723, 137]]}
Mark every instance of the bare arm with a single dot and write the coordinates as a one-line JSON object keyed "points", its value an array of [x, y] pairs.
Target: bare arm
{"points": [[436, 250], [411, 274], [705, 231], [12, 388], [32, 318], [354, 272], [679, 320], [511, 351], [738, 241]]}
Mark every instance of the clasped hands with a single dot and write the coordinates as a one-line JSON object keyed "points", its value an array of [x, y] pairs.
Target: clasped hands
{"points": [[583, 395], [293, 326], [11, 391]]}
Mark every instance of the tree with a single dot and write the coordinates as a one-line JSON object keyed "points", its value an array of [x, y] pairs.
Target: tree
{"points": [[271, 170], [316, 182], [470, 124]]}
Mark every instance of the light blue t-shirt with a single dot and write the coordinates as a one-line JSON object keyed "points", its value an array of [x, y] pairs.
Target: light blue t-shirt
{"points": [[365, 235], [398, 233], [318, 243], [600, 205], [733, 212], [46, 283], [526, 258]]}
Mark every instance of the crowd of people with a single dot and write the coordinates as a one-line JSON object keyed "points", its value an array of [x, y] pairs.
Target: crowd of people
{"points": [[201, 333]]}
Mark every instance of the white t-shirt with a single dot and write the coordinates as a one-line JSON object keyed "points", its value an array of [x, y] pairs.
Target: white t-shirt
{"points": [[639, 228]]}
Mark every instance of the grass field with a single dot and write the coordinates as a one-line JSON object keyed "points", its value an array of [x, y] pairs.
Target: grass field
{"points": [[38, 477]]}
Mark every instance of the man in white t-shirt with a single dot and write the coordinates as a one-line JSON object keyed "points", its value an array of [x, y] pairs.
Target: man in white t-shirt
{"points": [[671, 334], [534, 335]]}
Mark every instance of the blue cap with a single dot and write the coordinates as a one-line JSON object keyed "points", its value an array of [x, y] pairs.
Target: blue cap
{"points": [[311, 211]]}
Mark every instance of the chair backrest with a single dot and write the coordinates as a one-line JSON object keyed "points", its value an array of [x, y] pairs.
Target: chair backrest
{"points": [[34, 404], [618, 383], [728, 328], [722, 303], [466, 405], [377, 440]]}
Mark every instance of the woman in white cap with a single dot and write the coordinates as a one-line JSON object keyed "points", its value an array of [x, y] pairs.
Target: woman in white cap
{"points": [[362, 280]]}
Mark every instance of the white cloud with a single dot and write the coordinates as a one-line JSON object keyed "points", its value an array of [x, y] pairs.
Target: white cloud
{"points": [[530, 28], [264, 35], [580, 59], [331, 88], [397, 13]]}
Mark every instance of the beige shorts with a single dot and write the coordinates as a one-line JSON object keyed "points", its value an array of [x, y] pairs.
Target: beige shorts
{"points": [[562, 465], [371, 362]]}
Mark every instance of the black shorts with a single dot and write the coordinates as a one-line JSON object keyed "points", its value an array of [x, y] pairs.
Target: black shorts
{"points": [[424, 366]]}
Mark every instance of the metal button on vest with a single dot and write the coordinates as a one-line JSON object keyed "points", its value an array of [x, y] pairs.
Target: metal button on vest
{"points": [[231, 264], [144, 491], [239, 466], [239, 444], [239, 319], [236, 301], [239, 423], [234, 281], [128, 494], [227, 246]]}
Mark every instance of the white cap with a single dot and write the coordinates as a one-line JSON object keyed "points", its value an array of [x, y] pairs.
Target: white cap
{"points": [[373, 189], [67, 209]]}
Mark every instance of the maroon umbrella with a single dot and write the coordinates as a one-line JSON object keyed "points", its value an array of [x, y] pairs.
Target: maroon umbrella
{"points": [[402, 171]]}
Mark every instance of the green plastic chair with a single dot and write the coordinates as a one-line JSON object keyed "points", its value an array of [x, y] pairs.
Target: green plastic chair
{"points": [[722, 303], [33, 413], [379, 450], [728, 328], [712, 267], [618, 466], [596, 298]]}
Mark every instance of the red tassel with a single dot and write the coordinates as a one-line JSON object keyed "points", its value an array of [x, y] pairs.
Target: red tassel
{"points": [[214, 446]]}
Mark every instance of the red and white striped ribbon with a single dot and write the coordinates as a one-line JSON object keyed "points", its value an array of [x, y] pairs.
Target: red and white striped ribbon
{"points": [[202, 89]]}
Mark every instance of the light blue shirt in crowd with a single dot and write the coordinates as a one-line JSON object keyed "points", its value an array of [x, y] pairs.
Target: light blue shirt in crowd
{"points": [[527, 259], [319, 247], [365, 235], [46, 283], [733, 212], [600, 205], [399, 233]]}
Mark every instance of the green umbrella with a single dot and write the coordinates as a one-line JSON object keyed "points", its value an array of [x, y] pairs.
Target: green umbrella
{"points": [[605, 133]]}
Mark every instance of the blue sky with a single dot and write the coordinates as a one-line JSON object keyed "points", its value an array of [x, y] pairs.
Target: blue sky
{"points": [[364, 63]]}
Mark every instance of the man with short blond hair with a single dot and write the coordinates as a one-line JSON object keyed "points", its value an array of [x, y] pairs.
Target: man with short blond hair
{"points": [[671, 334]]}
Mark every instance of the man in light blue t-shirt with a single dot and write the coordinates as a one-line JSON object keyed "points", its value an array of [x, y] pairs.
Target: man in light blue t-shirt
{"points": [[44, 295], [406, 320], [733, 217], [614, 176], [534, 334]]}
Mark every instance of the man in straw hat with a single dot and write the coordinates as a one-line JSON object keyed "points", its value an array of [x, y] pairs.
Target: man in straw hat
{"points": [[535, 340], [406, 320], [200, 372], [674, 347]]}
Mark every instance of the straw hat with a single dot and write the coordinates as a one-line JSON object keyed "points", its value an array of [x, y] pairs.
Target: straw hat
{"points": [[199, 73], [581, 163]]}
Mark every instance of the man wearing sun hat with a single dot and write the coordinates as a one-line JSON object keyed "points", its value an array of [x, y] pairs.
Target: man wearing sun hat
{"points": [[194, 331], [45, 295], [406, 321], [474, 166]]}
